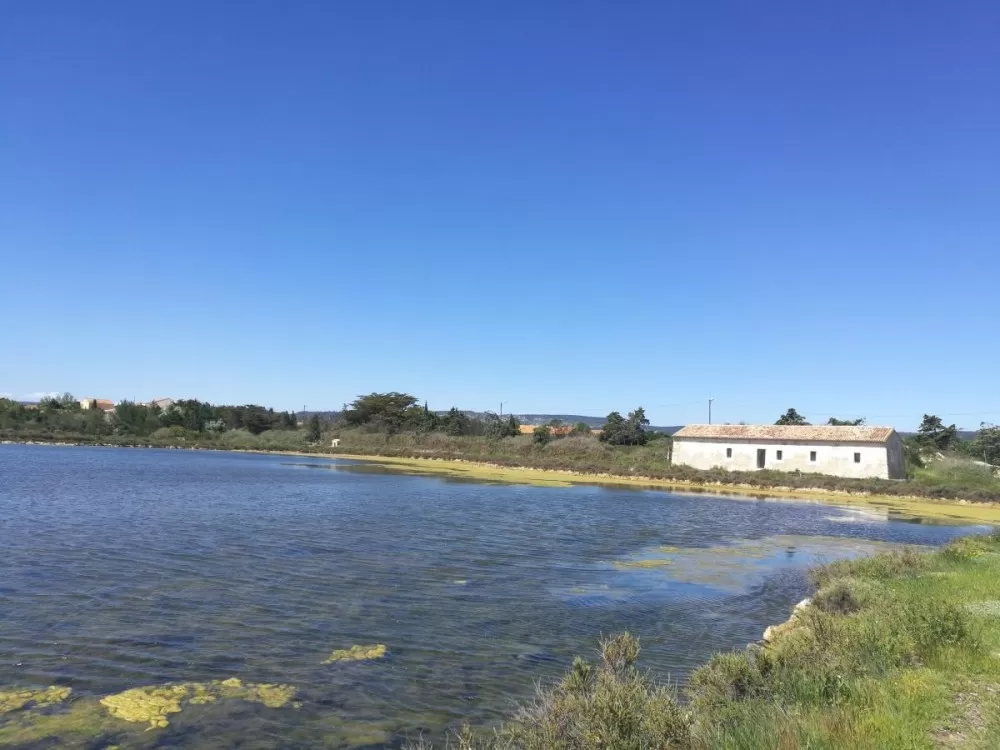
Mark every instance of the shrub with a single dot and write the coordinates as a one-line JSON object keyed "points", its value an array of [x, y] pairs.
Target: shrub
{"points": [[611, 705], [731, 676], [845, 596], [937, 625], [891, 564]]}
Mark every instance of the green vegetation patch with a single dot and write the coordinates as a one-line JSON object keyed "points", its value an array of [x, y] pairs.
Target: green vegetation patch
{"points": [[154, 704], [356, 653], [14, 700]]}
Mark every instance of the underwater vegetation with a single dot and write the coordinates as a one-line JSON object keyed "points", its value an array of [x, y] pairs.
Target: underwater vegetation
{"points": [[14, 700], [656, 562], [153, 704], [356, 653]]}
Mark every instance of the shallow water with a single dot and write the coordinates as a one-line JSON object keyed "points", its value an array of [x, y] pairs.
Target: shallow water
{"points": [[125, 568]]}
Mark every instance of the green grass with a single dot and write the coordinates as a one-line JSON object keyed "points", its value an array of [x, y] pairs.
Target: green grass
{"points": [[958, 472], [900, 650]]}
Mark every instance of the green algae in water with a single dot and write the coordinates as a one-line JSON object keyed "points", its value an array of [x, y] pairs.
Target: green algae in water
{"points": [[732, 566], [14, 700], [356, 653], [654, 562], [154, 704], [74, 725]]}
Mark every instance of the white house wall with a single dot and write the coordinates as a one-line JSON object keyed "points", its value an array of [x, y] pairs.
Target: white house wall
{"points": [[831, 458]]}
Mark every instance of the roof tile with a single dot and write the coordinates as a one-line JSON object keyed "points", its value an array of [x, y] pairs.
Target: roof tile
{"points": [[788, 433]]}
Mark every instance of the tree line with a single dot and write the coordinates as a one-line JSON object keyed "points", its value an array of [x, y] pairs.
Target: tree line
{"points": [[64, 414], [395, 412]]}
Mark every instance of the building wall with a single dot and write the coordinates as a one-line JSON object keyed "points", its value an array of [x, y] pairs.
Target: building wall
{"points": [[897, 462], [831, 458]]}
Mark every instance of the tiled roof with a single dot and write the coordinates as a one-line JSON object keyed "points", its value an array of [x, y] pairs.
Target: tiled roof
{"points": [[786, 433]]}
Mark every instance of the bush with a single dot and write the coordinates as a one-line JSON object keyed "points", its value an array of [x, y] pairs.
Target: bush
{"points": [[731, 676], [610, 705], [937, 625], [844, 596], [541, 435], [893, 564]]}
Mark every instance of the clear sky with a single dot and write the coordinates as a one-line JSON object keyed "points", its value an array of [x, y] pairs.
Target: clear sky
{"points": [[568, 206]]}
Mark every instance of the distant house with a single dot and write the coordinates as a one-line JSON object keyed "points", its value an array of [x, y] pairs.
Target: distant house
{"points": [[163, 403], [563, 429], [104, 404], [335, 443], [859, 452]]}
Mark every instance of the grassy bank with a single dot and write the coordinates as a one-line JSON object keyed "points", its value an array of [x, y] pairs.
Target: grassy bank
{"points": [[900, 650], [952, 480]]}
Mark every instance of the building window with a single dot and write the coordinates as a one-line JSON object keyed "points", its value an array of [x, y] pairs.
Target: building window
{"points": [[729, 452], [812, 455], [777, 454], [857, 458]]}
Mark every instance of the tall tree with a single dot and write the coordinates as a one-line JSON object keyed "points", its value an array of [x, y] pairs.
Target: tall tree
{"points": [[456, 422], [631, 431], [496, 427], [933, 433], [987, 444], [791, 417], [314, 430], [387, 411]]}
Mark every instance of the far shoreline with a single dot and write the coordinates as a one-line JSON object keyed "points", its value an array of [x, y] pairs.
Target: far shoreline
{"points": [[946, 510]]}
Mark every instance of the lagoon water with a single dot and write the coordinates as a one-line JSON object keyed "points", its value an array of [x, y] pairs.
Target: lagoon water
{"points": [[129, 568]]}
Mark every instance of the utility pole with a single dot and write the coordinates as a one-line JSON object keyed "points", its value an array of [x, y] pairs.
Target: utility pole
{"points": [[710, 410], [501, 407]]}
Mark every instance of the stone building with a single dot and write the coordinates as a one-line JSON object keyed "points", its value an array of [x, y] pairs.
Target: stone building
{"points": [[858, 452]]}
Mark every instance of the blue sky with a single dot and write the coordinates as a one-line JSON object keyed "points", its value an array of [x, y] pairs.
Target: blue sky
{"points": [[568, 206]]}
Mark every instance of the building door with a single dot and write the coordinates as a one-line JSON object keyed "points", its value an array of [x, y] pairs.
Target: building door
{"points": [[761, 457]]}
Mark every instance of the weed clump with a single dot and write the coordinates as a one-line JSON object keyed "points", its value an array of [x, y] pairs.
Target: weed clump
{"points": [[356, 653], [845, 596], [612, 704]]}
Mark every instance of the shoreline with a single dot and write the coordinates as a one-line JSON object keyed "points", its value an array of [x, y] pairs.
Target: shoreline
{"points": [[913, 506], [957, 511]]}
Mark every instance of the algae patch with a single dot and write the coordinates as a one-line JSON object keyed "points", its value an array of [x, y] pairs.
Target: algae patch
{"points": [[356, 653], [75, 724], [736, 565], [154, 704], [655, 562], [14, 700]]}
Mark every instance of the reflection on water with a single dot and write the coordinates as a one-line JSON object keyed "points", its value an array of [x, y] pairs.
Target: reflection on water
{"points": [[161, 571]]}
